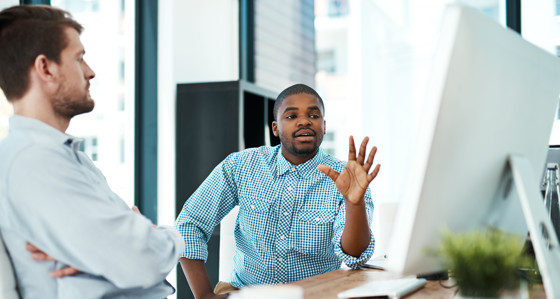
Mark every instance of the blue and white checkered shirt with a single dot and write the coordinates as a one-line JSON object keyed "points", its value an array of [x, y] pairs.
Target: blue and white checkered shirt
{"points": [[290, 220]]}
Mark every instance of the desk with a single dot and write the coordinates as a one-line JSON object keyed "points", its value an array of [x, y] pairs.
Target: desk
{"points": [[328, 285]]}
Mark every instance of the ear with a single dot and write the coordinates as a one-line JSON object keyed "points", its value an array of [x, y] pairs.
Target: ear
{"points": [[45, 69], [275, 128], [324, 127]]}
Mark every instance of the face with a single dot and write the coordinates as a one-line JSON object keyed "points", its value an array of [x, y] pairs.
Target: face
{"points": [[72, 96], [300, 127]]}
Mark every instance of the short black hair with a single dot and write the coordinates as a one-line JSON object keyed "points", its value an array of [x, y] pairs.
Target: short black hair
{"points": [[292, 90]]}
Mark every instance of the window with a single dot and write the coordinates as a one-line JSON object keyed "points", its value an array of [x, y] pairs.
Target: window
{"points": [[326, 62], [540, 25], [5, 112], [384, 50], [108, 130]]}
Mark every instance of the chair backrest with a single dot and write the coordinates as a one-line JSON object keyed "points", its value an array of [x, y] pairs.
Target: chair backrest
{"points": [[8, 289]]}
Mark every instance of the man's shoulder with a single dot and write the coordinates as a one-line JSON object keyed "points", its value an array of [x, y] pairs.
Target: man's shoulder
{"points": [[264, 152], [22, 150], [13, 148]]}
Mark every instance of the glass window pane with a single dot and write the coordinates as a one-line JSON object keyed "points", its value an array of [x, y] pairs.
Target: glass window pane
{"points": [[540, 24], [373, 62], [108, 131]]}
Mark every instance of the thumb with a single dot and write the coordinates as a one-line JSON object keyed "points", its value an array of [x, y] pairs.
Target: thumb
{"points": [[331, 173]]}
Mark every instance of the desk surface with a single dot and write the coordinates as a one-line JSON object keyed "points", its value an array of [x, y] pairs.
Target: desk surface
{"points": [[328, 285]]}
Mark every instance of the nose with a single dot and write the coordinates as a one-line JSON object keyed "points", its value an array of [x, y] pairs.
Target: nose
{"points": [[304, 121], [88, 72]]}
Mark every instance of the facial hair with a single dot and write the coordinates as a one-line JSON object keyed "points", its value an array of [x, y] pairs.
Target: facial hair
{"points": [[67, 103], [289, 144]]}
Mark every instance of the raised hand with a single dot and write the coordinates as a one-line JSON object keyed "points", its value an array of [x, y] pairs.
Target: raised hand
{"points": [[38, 255], [353, 181]]}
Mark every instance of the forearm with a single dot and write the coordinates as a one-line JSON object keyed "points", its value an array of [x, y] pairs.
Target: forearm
{"points": [[356, 234], [198, 280]]}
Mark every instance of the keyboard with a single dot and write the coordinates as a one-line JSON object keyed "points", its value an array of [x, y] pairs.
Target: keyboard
{"points": [[392, 288]]}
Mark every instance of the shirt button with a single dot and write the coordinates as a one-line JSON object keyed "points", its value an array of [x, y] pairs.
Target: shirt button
{"points": [[282, 237], [317, 219], [293, 169], [285, 213], [280, 259], [289, 188], [253, 207], [280, 283]]}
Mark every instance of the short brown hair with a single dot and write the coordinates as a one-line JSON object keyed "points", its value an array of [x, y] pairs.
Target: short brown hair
{"points": [[27, 31]]}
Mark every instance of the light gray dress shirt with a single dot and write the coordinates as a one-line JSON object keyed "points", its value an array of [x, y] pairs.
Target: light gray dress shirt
{"points": [[53, 196]]}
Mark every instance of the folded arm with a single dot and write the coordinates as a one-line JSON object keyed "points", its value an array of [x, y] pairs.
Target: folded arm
{"points": [[71, 215]]}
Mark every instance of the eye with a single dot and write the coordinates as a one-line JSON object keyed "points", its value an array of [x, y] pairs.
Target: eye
{"points": [[291, 116], [315, 116]]}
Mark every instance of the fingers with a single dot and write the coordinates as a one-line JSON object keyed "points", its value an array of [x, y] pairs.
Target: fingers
{"points": [[369, 161], [30, 247], [41, 256], [374, 173], [37, 254], [351, 149], [136, 210], [66, 271], [331, 173], [362, 153]]}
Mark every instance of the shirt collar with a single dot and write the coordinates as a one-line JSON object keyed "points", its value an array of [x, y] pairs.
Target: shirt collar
{"points": [[40, 130], [305, 169]]}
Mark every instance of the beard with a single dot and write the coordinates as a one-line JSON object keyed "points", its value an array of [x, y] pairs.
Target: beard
{"points": [[67, 103], [300, 150]]}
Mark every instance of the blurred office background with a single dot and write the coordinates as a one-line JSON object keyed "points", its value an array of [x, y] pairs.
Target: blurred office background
{"points": [[369, 59]]}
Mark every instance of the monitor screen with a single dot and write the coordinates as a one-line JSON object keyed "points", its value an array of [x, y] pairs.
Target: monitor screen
{"points": [[493, 95]]}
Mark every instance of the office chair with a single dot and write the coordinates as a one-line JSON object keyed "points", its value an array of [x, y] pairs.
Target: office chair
{"points": [[8, 288]]}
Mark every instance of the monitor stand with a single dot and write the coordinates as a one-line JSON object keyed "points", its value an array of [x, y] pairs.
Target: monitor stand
{"points": [[543, 236]]}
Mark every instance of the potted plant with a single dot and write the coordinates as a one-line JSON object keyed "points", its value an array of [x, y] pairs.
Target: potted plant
{"points": [[485, 264]]}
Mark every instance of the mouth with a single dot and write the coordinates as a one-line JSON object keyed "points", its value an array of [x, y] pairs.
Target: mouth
{"points": [[305, 135]]}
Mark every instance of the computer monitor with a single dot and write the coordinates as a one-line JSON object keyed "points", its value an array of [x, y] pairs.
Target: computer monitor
{"points": [[494, 97]]}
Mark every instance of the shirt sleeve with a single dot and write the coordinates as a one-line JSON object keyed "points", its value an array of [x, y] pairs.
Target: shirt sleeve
{"points": [[68, 211], [348, 260], [206, 207]]}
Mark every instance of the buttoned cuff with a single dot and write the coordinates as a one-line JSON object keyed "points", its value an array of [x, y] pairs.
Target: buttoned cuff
{"points": [[352, 261], [195, 246]]}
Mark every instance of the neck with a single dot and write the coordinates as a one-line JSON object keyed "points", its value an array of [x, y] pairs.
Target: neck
{"points": [[296, 159], [39, 108]]}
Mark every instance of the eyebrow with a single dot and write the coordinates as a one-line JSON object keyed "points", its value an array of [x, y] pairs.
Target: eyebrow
{"points": [[295, 109]]}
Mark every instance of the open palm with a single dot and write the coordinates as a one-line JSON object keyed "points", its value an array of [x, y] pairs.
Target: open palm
{"points": [[353, 181]]}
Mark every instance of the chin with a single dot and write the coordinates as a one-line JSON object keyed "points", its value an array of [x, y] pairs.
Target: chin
{"points": [[306, 151]]}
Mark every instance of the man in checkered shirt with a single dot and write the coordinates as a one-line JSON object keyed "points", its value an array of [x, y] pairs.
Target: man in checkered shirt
{"points": [[301, 212]]}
